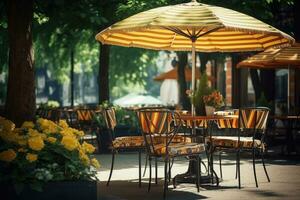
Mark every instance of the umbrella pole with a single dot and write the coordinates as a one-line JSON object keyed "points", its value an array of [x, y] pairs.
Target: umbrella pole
{"points": [[193, 74], [288, 91]]}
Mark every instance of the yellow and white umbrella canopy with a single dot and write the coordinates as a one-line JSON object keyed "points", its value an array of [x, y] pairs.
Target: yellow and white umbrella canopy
{"points": [[214, 29], [287, 57], [194, 27]]}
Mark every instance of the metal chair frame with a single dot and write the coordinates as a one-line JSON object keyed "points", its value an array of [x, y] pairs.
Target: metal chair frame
{"points": [[111, 122], [164, 122], [257, 125]]}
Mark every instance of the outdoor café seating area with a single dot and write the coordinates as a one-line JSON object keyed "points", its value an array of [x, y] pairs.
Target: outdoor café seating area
{"points": [[231, 150], [149, 99]]}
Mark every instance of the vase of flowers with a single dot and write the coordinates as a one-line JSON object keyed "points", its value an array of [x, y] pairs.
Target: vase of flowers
{"points": [[38, 155], [209, 110], [213, 101], [196, 96]]}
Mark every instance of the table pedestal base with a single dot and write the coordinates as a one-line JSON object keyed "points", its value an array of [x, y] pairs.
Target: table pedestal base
{"points": [[191, 178]]}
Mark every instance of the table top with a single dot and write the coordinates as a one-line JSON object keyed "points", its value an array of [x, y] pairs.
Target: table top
{"points": [[285, 117], [209, 117]]}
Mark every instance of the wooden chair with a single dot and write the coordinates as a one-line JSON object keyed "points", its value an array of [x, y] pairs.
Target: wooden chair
{"points": [[165, 124]]}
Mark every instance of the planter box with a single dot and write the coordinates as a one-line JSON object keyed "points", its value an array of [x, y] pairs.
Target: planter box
{"points": [[65, 190]]}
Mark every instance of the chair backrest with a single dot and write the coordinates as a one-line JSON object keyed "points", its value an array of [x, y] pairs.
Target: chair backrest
{"points": [[156, 122], [254, 118], [84, 114], [228, 123], [110, 118]]}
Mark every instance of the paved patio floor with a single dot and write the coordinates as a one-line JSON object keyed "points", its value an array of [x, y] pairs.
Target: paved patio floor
{"points": [[284, 173]]}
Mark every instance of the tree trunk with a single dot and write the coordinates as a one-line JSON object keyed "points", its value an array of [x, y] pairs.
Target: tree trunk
{"points": [[267, 78], [183, 98], [72, 77], [236, 81], [20, 102], [204, 57], [256, 83], [103, 73]]}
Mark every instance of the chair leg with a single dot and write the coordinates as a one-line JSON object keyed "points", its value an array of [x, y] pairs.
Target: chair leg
{"points": [[265, 169], [238, 168], [98, 141], [254, 169], [174, 182], [112, 167], [146, 163], [220, 163], [166, 177], [203, 163], [212, 167], [197, 174], [150, 174], [169, 175], [208, 163], [140, 168], [200, 170], [155, 170]]}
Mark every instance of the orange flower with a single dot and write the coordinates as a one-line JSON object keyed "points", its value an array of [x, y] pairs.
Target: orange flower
{"points": [[214, 99]]}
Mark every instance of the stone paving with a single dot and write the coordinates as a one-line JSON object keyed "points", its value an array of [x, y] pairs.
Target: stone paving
{"points": [[284, 172]]}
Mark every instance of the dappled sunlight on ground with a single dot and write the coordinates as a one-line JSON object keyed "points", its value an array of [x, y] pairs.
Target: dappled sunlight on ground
{"points": [[284, 174]]}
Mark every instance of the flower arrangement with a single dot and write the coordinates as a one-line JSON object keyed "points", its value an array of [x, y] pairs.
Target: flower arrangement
{"points": [[44, 151], [214, 99], [196, 96]]}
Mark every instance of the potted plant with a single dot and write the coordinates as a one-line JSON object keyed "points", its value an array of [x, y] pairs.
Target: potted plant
{"points": [[212, 101], [45, 160], [197, 96]]}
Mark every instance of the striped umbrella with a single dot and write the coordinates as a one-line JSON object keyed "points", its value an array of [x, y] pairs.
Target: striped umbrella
{"points": [[288, 57], [194, 27]]}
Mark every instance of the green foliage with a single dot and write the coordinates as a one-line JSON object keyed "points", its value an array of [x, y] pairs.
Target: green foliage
{"points": [[61, 30], [3, 39], [202, 90], [62, 26], [49, 104], [131, 67], [262, 101], [125, 117]]}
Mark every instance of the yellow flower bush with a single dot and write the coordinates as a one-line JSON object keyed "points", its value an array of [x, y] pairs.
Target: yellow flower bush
{"points": [[36, 143], [88, 148], [44, 151], [52, 140], [95, 163], [27, 124], [69, 142], [63, 124], [31, 157], [8, 155]]}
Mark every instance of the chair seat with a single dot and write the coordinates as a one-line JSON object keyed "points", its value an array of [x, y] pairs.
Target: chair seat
{"points": [[128, 142], [177, 139], [232, 142], [177, 149], [138, 141]]}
